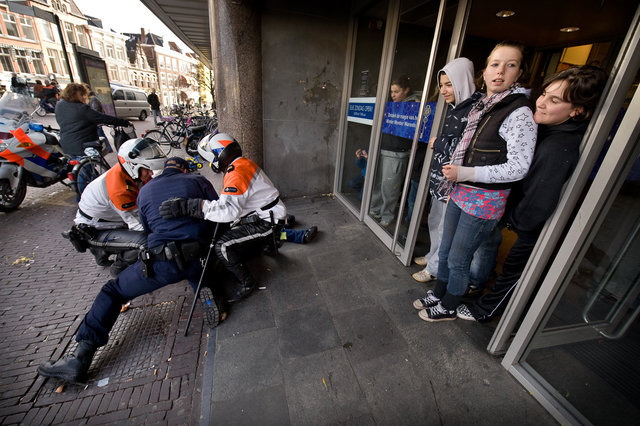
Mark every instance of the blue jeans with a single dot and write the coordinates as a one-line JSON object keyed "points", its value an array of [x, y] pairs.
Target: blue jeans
{"points": [[484, 259], [461, 237]]}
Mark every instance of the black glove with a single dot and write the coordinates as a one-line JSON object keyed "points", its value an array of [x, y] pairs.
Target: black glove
{"points": [[177, 207]]}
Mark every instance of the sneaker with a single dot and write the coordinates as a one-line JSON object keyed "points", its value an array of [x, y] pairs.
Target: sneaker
{"points": [[437, 313], [463, 312], [423, 276], [422, 260], [426, 302], [210, 307], [384, 223]]}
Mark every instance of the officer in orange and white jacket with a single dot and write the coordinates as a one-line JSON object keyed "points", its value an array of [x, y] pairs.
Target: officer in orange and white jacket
{"points": [[109, 202], [248, 201]]}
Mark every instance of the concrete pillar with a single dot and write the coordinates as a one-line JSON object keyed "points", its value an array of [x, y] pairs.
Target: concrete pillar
{"points": [[237, 64]]}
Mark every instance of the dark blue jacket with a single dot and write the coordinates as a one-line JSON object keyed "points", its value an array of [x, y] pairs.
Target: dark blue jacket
{"points": [[445, 144], [172, 183]]}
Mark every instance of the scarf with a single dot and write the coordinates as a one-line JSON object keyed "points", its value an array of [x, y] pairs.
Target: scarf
{"points": [[477, 112]]}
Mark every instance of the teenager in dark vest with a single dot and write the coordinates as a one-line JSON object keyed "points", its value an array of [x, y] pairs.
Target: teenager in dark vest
{"points": [[562, 114], [496, 150]]}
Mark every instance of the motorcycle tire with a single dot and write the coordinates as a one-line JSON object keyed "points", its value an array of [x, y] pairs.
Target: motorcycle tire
{"points": [[11, 201], [86, 171]]}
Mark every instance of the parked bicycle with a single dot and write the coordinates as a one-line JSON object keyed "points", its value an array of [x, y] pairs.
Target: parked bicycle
{"points": [[181, 131]]}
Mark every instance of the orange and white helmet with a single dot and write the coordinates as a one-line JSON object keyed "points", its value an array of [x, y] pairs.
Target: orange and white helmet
{"points": [[220, 150]]}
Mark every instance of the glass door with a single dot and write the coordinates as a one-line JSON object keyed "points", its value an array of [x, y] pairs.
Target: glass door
{"points": [[368, 40], [578, 345]]}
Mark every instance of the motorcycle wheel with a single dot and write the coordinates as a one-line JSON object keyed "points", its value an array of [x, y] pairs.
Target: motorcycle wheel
{"points": [[10, 200]]}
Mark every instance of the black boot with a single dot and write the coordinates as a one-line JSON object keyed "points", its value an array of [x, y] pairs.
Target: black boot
{"points": [[72, 367], [247, 283]]}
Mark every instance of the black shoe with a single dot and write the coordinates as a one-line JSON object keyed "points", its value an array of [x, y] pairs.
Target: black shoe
{"points": [[72, 367], [290, 221], [241, 292], [310, 234], [211, 307]]}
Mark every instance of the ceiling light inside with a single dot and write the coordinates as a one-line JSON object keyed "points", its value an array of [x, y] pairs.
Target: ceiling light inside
{"points": [[570, 29], [505, 13]]}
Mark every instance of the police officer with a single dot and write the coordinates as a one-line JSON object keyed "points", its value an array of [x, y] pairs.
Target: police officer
{"points": [[109, 202], [249, 201], [174, 255]]}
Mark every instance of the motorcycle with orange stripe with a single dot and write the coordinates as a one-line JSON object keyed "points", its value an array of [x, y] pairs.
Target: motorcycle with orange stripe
{"points": [[30, 154]]}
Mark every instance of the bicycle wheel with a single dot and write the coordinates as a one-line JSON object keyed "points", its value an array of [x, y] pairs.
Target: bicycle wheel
{"points": [[41, 111], [87, 170], [161, 138]]}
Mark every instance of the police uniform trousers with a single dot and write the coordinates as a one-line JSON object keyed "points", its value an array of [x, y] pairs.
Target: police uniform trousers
{"points": [[130, 284], [234, 245]]}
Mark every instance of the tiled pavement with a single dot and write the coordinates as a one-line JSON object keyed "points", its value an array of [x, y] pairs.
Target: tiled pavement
{"points": [[331, 339]]}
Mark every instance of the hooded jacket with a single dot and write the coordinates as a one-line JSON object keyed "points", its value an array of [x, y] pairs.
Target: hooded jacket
{"points": [[460, 73], [533, 200]]}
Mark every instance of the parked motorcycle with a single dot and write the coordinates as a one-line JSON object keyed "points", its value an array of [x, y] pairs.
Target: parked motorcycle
{"points": [[30, 154]]}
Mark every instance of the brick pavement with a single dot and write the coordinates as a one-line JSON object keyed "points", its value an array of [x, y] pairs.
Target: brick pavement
{"points": [[155, 379]]}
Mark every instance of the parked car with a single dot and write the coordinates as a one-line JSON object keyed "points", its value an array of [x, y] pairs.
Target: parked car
{"points": [[130, 102]]}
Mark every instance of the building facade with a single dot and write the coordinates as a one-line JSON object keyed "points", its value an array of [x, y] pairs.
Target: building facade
{"points": [[112, 49]]}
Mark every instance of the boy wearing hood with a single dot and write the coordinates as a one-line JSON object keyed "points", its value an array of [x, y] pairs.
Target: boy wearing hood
{"points": [[456, 85]]}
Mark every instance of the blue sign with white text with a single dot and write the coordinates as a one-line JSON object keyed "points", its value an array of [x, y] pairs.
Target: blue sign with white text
{"points": [[361, 110], [400, 119]]}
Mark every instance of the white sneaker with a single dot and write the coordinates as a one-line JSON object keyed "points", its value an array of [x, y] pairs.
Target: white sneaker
{"points": [[423, 276], [422, 260]]}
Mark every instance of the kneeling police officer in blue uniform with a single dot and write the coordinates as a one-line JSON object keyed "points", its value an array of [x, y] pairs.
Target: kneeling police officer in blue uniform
{"points": [[175, 249]]}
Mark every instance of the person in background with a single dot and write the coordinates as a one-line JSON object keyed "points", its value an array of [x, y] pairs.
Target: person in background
{"points": [[563, 111], [50, 93], [78, 122], [19, 85], [154, 103], [37, 89], [457, 88], [357, 182], [394, 154], [495, 151]]}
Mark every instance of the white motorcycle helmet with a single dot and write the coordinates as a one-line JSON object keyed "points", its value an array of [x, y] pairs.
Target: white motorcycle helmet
{"points": [[220, 150], [139, 153]]}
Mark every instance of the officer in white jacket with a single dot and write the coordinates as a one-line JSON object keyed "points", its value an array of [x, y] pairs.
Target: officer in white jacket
{"points": [[248, 201], [110, 201]]}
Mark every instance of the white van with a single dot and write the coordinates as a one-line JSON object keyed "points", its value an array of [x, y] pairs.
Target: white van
{"points": [[130, 102]]}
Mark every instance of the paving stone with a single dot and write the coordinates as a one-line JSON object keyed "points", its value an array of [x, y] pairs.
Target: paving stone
{"points": [[267, 406], [306, 331]]}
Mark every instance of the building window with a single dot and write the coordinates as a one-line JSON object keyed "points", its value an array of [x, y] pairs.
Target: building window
{"points": [[161, 61], [5, 59], [27, 28], [113, 72], [174, 64], [10, 23], [109, 51], [23, 62], [54, 61], [68, 28], [120, 53], [82, 37], [123, 75], [38, 65], [45, 31], [100, 48]]}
